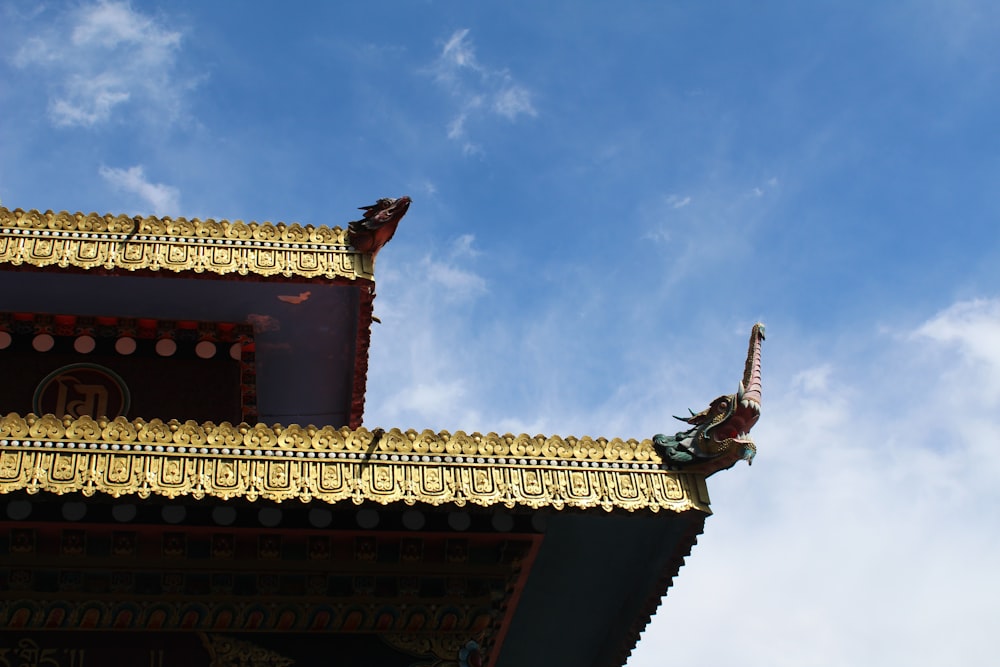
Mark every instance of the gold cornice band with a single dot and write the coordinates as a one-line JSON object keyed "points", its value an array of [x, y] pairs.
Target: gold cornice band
{"points": [[122, 457], [177, 244], [54, 611]]}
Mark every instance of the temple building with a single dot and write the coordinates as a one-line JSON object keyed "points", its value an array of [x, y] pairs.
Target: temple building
{"points": [[186, 477]]}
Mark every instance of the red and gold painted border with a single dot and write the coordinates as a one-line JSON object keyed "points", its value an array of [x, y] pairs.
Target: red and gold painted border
{"points": [[85, 329]]}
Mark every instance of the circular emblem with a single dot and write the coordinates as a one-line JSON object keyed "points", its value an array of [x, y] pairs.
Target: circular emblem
{"points": [[80, 390]]}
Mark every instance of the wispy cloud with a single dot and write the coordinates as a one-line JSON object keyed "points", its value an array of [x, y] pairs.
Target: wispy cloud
{"points": [[457, 52], [480, 91], [676, 201], [102, 57], [513, 101], [457, 281], [163, 199], [427, 187], [761, 190], [971, 326], [705, 221], [422, 353], [812, 380], [465, 246], [948, 31]]}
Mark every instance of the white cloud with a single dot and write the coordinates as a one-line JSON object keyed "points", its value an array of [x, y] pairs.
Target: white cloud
{"points": [[964, 348], [676, 201], [88, 101], [458, 52], [718, 218], [813, 379], [971, 326], [434, 399], [769, 184], [423, 351], [464, 246], [947, 32], [458, 283], [512, 101], [109, 24], [163, 199], [102, 57], [479, 91], [427, 187]]}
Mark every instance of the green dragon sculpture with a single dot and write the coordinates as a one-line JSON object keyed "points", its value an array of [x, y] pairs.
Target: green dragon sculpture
{"points": [[719, 436]]}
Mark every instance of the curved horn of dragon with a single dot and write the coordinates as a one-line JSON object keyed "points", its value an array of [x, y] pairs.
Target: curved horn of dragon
{"points": [[719, 436]]}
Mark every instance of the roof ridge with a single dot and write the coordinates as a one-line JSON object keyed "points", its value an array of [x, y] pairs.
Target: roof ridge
{"points": [[64, 216]]}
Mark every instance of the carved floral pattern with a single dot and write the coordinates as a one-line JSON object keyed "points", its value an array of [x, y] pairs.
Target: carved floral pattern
{"points": [[418, 619], [228, 652], [90, 241], [121, 457]]}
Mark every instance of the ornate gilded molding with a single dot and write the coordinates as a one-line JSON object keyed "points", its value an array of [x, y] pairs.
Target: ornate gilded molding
{"points": [[35, 610], [91, 241], [121, 457], [443, 650], [228, 652]]}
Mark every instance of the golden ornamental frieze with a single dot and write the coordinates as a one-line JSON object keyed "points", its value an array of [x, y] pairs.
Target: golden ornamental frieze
{"points": [[173, 613], [91, 241], [122, 457]]}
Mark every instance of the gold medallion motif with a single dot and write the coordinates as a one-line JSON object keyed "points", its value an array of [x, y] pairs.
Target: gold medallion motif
{"points": [[82, 390]]}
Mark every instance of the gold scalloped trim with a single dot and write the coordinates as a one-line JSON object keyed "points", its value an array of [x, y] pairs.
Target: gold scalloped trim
{"points": [[90, 241], [122, 457]]}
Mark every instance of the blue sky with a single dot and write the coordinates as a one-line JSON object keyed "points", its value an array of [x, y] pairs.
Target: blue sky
{"points": [[605, 200]]}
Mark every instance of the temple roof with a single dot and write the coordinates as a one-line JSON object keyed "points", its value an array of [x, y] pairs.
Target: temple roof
{"points": [[577, 532], [591, 531]]}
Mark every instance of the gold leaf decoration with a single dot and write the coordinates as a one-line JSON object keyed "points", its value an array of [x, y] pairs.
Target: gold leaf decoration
{"points": [[228, 652], [278, 463], [90, 241]]}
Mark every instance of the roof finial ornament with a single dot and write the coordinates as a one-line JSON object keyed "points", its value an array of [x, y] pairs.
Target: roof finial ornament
{"points": [[721, 432], [379, 223]]}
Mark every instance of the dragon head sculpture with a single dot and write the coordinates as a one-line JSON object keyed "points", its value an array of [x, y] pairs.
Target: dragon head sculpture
{"points": [[719, 436], [378, 225]]}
